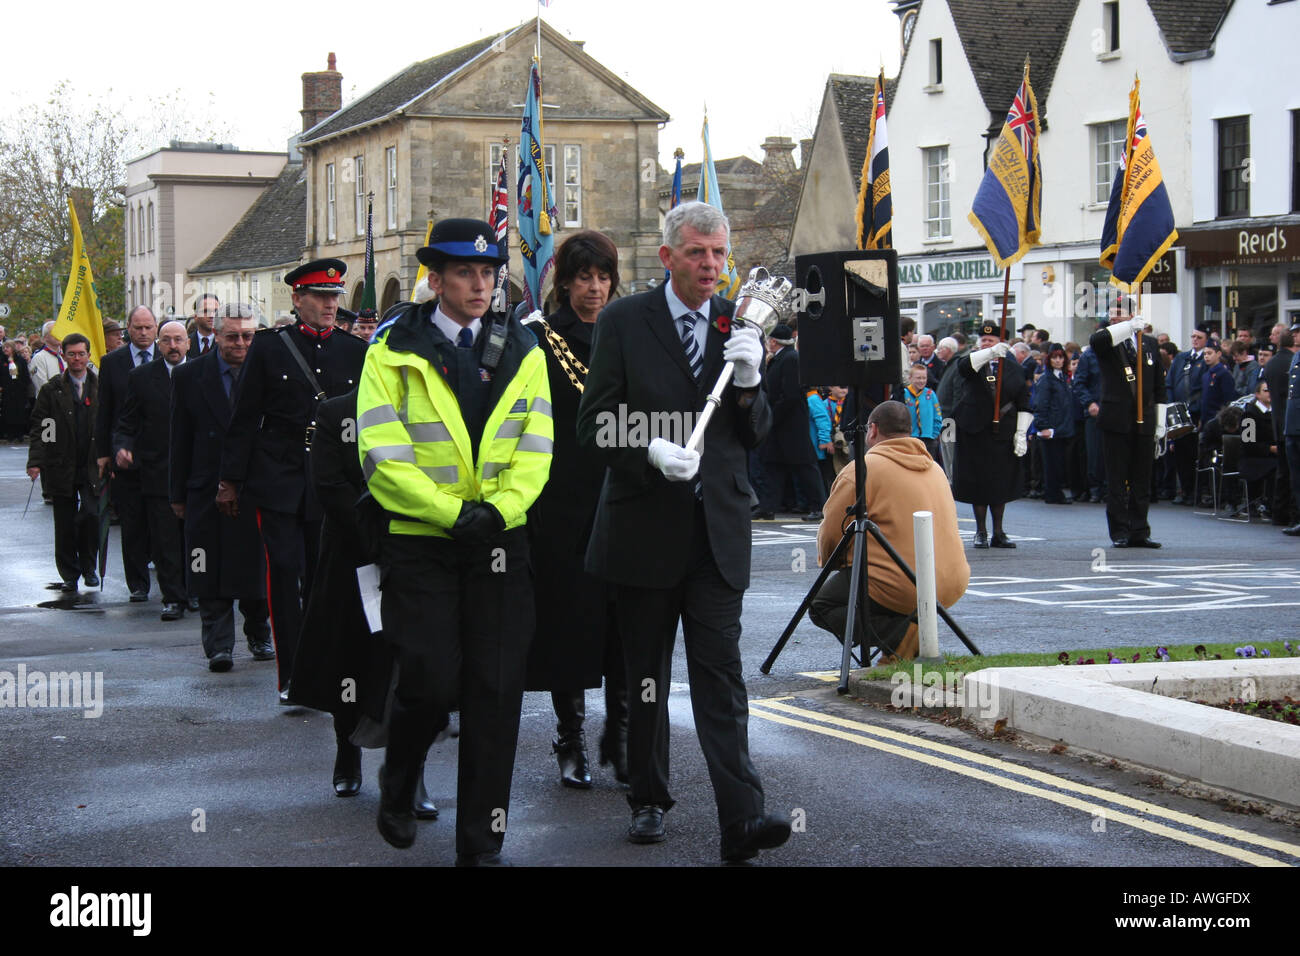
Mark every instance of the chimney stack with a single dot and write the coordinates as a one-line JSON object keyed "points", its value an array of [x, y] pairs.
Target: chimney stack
{"points": [[322, 94], [778, 155], [805, 153]]}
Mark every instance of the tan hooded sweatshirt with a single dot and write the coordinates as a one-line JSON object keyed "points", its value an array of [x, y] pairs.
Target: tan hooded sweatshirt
{"points": [[901, 478]]}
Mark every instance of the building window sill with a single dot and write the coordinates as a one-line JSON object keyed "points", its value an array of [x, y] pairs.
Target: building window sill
{"points": [[1108, 56], [932, 88], [1096, 206], [940, 241]]}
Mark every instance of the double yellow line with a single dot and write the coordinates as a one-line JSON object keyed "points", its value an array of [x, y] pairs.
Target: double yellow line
{"points": [[913, 747]]}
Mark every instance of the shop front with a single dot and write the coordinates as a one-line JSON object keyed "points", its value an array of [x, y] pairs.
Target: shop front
{"points": [[1247, 274], [953, 293]]}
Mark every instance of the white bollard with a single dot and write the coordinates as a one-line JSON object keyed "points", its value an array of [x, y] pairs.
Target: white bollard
{"points": [[927, 614]]}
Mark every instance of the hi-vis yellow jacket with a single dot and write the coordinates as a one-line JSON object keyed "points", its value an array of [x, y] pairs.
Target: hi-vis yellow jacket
{"points": [[415, 450]]}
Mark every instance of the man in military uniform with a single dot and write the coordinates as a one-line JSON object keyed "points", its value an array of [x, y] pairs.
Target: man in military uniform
{"points": [[289, 370], [1129, 447], [455, 431]]}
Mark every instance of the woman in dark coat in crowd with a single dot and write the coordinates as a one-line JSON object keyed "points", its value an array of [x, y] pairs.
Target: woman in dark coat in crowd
{"points": [[1053, 406], [576, 638], [341, 667], [15, 389]]}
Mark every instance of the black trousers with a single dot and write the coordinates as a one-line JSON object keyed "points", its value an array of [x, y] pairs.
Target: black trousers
{"points": [[166, 548], [1129, 458], [830, 611], [218, 617], [1052, 451], [807, 485], [1283, 512], [76, 533], [291, 546], [128, 499], [460, 618], [571, 705], [1185, 454], [709, 611]]}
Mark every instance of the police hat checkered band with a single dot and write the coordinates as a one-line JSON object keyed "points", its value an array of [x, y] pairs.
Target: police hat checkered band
{"points": [[468, 250]]}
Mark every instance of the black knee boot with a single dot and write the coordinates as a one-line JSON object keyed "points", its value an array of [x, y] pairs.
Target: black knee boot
{"points": [[571, 745], [347, 758], [407, 743]]}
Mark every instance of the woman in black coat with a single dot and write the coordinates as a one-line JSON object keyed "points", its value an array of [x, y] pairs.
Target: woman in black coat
{"points": [[576, 638], [1054, 405], [15, 386]]}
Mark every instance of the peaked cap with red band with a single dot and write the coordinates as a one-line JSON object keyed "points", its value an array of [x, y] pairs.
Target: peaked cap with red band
{"points": [[319, 275]]}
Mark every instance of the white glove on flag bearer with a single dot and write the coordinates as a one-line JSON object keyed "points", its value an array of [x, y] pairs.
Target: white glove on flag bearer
{"points": [[1020, 444], [676, 463]]}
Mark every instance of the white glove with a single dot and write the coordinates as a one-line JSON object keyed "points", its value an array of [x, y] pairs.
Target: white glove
{"points": [[1001, 349], [980, 357], [674, 461], [746, 350], [1020, 444], [1160, 421], [1119, 331]]}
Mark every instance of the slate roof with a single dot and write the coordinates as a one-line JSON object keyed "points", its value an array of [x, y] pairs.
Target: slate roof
{"points": [[853, 106], [997, 35], [1189, 26], [271, 233], [732, 165], [399, 90]]}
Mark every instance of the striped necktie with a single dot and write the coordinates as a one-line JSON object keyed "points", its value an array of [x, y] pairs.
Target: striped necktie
{"points": [[693, 356]]}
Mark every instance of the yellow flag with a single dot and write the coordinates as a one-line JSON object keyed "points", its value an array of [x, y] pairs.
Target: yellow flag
{"points": [[422, 273], [80, 311]]}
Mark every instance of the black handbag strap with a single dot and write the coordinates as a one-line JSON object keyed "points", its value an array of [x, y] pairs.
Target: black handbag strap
{"points": [[302, 363]]}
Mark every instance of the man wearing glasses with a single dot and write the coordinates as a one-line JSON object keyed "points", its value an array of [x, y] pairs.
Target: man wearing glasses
{"points": [[225, 554], [1183, 384]]}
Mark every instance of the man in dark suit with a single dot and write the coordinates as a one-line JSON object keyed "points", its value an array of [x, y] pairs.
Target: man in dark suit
{"points": [[141, 440], [788, 451], [204, 337], [1276, 373], [934, 365], [1129, 447], [60, 453], [232, 564], [125, 487], [671, 533], [1183, 384], [289, 370]]}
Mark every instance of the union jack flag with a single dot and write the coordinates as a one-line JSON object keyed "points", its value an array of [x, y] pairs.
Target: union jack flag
{"points": [[1020, 119], [498, 215]]}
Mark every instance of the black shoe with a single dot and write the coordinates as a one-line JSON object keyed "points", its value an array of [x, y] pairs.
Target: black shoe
{"points": [[172, 612], [742, 841], [490, 858], [91, 579], [68, 586], [1120, 543], [981, 539], [396, 817], [347, 768], [571, 752], [139, 597], [284, 698], [1143, 543], [1000, 540], [1293, 531], [647, 825], [614, 751], [812, 516], [424, 807], [220, 662], [261, 650], [193, 605], [762, 515]]}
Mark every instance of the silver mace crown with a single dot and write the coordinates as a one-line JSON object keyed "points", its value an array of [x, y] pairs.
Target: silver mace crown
{"points": [[759, 303]]}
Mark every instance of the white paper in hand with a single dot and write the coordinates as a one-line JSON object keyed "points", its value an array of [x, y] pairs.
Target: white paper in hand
{"points": [[368, 582]]}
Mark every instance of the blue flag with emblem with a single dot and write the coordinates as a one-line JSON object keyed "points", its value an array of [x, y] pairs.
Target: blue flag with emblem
{"points": [[1008, 204], [729, 281], [535, 197]]}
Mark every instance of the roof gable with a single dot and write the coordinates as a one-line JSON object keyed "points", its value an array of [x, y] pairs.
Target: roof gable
{"points": [[270, 233], [997, 35], [1189, 27], [852, 98]]}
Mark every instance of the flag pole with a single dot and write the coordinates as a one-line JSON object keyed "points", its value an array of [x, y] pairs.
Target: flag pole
{"points": [[1140, 399], [997, 391]]}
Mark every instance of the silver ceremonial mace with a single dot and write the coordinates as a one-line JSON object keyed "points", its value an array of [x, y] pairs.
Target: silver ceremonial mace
{"points": [[759, 304]]}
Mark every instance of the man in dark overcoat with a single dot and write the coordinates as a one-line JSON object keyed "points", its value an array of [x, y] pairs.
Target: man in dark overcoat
{"points": [[229, 564]]}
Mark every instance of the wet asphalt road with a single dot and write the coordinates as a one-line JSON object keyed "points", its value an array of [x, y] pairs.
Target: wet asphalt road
{"points": [[185, 767]]}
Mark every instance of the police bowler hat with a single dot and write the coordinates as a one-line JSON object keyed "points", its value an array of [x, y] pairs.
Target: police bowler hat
{"points": [[465, 239]]}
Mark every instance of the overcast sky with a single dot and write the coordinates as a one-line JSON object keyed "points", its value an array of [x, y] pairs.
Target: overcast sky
{"points": [[761, 65]]}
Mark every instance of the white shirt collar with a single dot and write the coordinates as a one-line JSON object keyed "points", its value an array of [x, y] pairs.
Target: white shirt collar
{"points": [[451, 328], [677, 308], [1262, 407]]}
